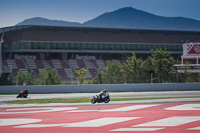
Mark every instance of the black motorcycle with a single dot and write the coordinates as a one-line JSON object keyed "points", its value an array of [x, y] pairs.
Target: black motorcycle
{"points": [[98, 99], [23, 94]]}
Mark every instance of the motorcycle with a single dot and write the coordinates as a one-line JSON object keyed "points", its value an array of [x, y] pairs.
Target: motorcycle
{"points": [[23, 94], [98, 99]]}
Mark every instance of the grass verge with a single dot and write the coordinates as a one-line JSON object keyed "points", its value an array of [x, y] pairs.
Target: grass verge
{"points": [[82, 100]]}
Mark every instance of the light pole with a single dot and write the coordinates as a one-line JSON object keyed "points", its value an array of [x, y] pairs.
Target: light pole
{"points": [[151, 78], [44, 77]]}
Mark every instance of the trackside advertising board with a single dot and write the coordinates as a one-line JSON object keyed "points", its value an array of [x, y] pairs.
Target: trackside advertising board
{"points": [[191, 49]]}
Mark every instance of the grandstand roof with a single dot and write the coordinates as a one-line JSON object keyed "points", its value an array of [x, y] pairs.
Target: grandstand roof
{"points": [[22, 27], [37, 33], [42, 38]]}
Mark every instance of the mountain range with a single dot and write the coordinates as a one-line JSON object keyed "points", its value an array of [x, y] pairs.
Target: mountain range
{"points": [[128, 18]]}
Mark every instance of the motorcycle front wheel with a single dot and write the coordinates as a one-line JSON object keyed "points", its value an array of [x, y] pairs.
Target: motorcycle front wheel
{"points": [[106, 100]]}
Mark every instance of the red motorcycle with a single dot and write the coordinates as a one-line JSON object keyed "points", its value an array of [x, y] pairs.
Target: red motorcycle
{"points": [[23, 94]]}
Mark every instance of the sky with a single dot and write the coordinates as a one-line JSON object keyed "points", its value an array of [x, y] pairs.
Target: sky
{"points": [[15, 11]]}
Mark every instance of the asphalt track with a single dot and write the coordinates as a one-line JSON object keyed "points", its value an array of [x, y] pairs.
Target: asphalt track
{"points": [[156, 116], [112, 94]]}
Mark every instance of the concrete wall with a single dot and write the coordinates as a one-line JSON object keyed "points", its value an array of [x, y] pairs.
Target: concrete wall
{"points": [[98, 88]]}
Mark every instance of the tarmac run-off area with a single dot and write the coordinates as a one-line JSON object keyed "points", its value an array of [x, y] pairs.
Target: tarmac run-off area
{"points": [[176, 117]]}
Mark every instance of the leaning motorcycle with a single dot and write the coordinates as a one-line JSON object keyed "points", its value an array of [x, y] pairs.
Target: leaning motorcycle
{"points": [[22, 94], [98, 99]]}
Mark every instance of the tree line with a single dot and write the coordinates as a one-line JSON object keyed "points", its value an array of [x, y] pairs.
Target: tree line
{"points": [[157, 68], [45, 77]]}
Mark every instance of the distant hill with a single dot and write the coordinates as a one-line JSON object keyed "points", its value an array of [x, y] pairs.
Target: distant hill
{"points": [[127, 17], [44, 21]]}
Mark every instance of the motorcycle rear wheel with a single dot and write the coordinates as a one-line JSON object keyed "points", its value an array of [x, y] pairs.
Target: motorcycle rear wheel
{"points": [[93, 101]]}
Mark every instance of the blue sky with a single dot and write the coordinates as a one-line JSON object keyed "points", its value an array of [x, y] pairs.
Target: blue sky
{"points": [[15, 11]]}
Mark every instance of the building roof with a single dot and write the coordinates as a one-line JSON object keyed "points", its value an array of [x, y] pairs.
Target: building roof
{"points": [[22, 27]]}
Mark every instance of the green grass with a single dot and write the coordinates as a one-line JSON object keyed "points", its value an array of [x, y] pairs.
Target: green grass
{"points": [[82, 100], [58, 100]]}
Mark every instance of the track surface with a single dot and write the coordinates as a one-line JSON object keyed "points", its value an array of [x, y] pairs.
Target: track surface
{"points": [[113, 95], [181, 117]]}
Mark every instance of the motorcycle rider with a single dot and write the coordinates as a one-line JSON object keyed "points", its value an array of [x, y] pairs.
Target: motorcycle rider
{"points": [[103, 93], [102, 97], [25, 92]]}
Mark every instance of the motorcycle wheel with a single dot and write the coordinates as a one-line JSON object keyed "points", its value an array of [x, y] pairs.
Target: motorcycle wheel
{"points": [[106, 100], [93, 101]]}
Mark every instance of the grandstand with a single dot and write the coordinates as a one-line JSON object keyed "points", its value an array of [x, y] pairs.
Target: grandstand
{"points": [[66, 49]]}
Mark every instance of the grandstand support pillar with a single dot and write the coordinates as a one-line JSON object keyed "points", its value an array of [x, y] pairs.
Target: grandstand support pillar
{"points": [[182, 60], [1, 64], [1, 59], [176, 74], [64, 56]]}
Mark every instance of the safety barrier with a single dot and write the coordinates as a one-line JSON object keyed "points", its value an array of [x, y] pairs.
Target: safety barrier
{"points": [[98, 87]]}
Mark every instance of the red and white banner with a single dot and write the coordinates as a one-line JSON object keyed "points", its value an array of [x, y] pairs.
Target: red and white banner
{"points": [[191, 49]]}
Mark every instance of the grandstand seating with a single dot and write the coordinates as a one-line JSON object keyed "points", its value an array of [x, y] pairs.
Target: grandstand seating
{"points": [[94, 63], [20, 64], [4, 62], [56, 64], [39, 64], [73, 64], [12, 63], [31, 64], [100, 64], [64, 64], [50, 63], [93, 72], [81, 63], [46, 65], [65, 68], [61, 73], [69, 73]]}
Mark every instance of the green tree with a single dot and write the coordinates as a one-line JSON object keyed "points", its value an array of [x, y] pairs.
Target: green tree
{"points": [[25, 77], [111, 74], [161, 63], [97, 79], [31, 78], [133, 69], [82, 75], [52, 77], [19, 78], [48, 77], [148, 69], [187, 76]]}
